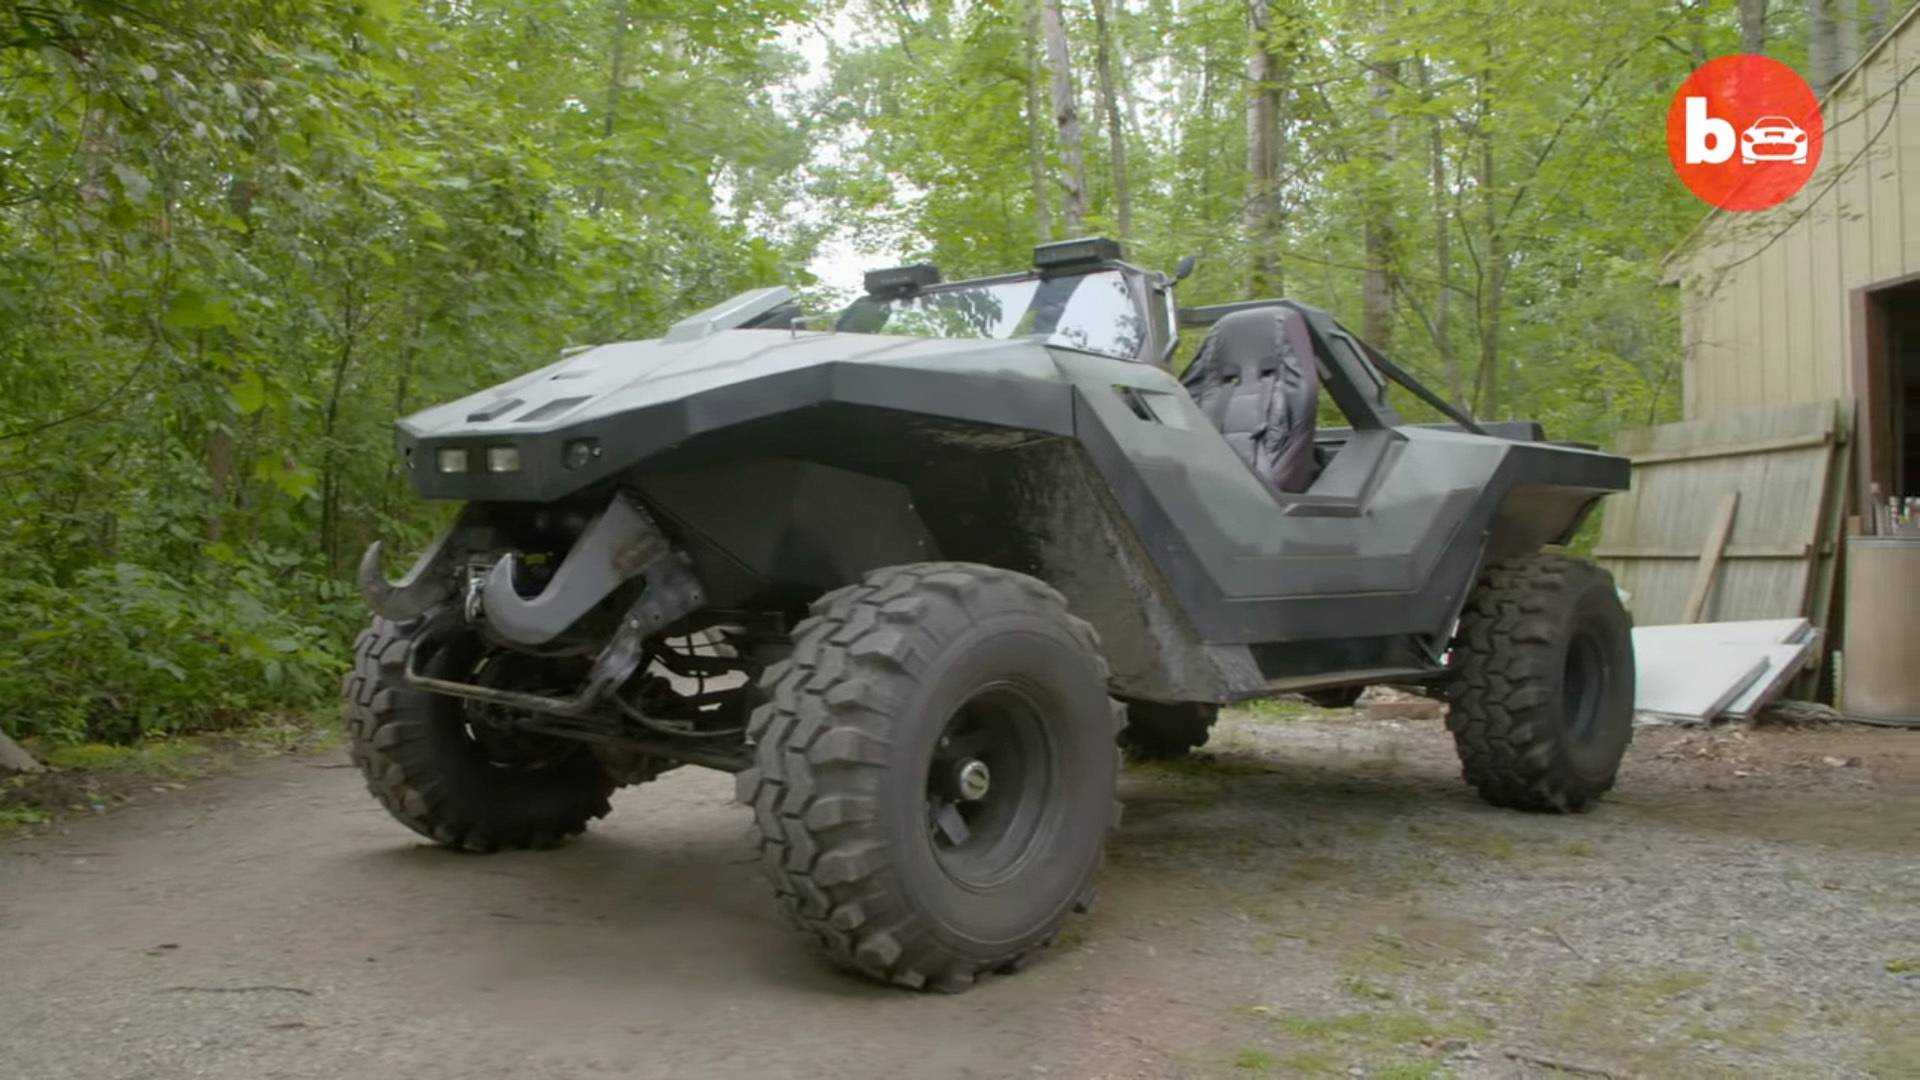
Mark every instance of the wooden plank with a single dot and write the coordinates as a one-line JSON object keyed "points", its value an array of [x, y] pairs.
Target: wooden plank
{"points": [[1761, 446], [1877, 83], [1826, 566], [1772, 275], [1710, 557], [1733, 551], [1731, 426], [1799, 342], [1827, 361], [1907, 139]]}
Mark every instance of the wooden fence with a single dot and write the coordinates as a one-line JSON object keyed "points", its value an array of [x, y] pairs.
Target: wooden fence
{"points": [[1735, 516]]}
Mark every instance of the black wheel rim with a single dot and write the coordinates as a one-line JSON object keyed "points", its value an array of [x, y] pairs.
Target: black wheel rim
{"points": [[492, 730], [1583, 685], [989, 786]]}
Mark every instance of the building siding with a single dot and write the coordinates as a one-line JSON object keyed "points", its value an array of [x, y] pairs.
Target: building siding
{"points": [[1764, 296]]}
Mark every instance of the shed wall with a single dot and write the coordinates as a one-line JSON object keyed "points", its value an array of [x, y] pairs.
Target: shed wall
{"points": [[1764, 311]]}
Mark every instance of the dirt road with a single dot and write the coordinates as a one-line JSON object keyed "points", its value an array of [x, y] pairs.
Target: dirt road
{"points": [[1312, 895]]}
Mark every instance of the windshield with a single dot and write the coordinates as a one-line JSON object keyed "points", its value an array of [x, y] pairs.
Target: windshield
{"points": [[1092, 312]]}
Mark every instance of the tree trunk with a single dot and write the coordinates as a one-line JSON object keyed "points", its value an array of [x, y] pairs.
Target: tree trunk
{"points": [[1846, 33], [1879, 15], [329, 425], [1036, 131], [1442, 250], [1753, 26], [1116, 131], [1695, 16], [1493, 269], [1823, 44], [219, 478], [1376, 289], [1261, 215], [1066, 113], [616, 79]]}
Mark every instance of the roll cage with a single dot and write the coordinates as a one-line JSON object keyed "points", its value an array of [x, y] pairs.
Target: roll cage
{"points": [[1354, 372]]}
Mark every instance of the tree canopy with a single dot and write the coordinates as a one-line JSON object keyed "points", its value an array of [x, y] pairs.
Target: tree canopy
{"points": [[242, 238]]}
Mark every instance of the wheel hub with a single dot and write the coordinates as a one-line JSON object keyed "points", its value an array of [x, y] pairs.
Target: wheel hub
{"points": [[972, 780], [987, 787]]}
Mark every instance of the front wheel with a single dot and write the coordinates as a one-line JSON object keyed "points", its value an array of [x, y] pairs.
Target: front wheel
{"points": [[449, 769], [1542, 693], [934, 772]]}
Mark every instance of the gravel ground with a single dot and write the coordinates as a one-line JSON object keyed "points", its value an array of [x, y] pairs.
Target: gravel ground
{"points": [[1314, 894]]}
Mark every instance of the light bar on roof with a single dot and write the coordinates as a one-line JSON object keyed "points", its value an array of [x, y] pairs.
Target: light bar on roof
{"points": [[902, 280], [1086, 251]]}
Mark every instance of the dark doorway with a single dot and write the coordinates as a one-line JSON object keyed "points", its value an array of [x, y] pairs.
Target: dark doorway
{"points": [[1903, 352], [1886, 379]]}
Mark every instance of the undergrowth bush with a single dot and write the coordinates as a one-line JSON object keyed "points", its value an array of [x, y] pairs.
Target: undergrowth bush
{"points": [[121, 651]]}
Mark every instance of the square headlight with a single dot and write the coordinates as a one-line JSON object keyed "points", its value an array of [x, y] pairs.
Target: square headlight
{"points": [[452, 461], [503, 459]]}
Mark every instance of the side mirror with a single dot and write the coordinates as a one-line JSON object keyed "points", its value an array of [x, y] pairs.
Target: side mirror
{"points": [[1184, 268]]}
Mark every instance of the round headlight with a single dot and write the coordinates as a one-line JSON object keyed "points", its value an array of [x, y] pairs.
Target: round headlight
{"points": [[579, 453]]}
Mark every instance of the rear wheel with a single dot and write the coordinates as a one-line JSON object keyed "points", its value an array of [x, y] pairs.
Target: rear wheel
{"points": [[449, 769], [934, 772], [1159, 731], [1543, 689]]}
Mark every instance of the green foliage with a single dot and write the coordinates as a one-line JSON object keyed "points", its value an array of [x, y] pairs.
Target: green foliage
{"points": [[1545, 124], [237, 240], [124, 650], [22, 815]]}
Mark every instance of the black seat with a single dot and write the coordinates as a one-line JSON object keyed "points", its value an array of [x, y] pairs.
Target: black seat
{"points": [[1256, 378]]}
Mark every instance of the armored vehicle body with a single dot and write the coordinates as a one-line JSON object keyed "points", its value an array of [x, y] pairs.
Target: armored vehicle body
{"points": [[920, 570]]}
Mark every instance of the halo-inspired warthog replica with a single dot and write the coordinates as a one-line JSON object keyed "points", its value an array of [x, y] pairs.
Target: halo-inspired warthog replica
{"points": [[919, 570]]}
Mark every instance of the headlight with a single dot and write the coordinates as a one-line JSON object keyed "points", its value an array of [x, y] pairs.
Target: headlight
{"points": [[579, 453], [452, 461], [503, 459]]}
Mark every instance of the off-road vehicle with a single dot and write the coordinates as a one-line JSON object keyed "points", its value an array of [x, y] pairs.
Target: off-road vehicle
{"points": [[919, 570]]}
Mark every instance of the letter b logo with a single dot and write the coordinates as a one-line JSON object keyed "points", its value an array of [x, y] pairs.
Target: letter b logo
{"points": [[1744, 132], [1709, 138]]}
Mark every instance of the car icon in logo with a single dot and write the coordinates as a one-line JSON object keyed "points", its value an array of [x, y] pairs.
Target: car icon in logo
{"points": [[1773, 138]]}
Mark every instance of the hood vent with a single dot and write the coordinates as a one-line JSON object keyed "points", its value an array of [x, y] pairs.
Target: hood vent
{"points": [[494, 411], [550, 410]]}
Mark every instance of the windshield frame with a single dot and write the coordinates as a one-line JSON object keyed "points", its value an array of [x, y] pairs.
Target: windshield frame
{"points": [[1134, 282]]}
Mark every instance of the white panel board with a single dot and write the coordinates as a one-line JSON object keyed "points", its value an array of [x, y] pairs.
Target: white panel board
{"points": [[1695, 683], [1749, 632], [1783, 663]]}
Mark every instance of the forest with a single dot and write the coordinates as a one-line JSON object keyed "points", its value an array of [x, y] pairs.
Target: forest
{"points": [[242, 238]]}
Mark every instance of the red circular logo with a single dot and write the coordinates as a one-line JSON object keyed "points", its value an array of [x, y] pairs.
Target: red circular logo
{"points": [[1744, 132]]}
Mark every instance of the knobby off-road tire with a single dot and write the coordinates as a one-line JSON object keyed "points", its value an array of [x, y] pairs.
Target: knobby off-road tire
{"points": [[1543, 692], [423, 762], [895, 684], [1158, 731]]}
